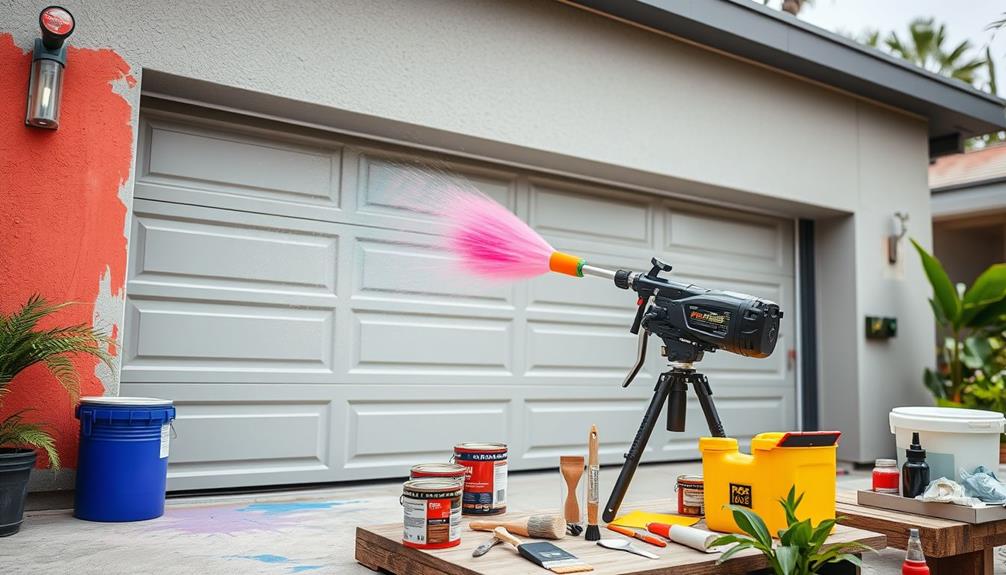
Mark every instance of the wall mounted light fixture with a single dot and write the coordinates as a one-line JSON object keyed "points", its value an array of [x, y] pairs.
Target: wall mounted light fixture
{"points": [[899, 227], [45, 87]]}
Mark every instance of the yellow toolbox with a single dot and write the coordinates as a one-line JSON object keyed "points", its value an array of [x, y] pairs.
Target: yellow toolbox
{"points": [[758, 481]]}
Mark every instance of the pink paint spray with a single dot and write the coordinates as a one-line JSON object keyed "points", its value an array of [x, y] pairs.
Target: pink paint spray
{"points": [[484, 238]]}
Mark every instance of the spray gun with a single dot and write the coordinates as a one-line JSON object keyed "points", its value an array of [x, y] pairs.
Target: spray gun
{"points": [[690, 320]]}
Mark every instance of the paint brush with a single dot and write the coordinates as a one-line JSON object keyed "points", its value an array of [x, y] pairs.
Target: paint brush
{"points": [[593, 533], [544, 554], [536, 526]]}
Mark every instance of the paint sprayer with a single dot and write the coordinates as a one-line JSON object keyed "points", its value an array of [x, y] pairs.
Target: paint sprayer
{"points": [[491, 241], [690, 320]]}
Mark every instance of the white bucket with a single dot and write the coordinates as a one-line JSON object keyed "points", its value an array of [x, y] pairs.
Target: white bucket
{"points": [[954, 439]]}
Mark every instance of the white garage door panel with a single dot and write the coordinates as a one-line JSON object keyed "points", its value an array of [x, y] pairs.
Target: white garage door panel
{"points": [[297, 306], [554, 427], [218, 256], [184, 335], [575, 212], [181, 161], [579, 350], [393, 269], [403, 343], [388, 185], [424, 430]]}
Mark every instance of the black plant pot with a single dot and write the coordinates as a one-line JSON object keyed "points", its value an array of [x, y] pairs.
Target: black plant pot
{"points": [[15, 467]]}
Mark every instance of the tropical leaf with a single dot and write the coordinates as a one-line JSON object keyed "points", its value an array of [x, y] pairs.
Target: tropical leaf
{"points": [[787, 558], [989, 288], [734, 550], [943, 289], [15, 432], [750, 523]]}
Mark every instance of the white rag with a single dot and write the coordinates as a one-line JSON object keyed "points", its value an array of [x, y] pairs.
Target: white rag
{"points": [[945, 490]]}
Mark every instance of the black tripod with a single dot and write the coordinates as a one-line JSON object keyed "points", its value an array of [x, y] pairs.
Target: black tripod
{"points": [[672, 387]]}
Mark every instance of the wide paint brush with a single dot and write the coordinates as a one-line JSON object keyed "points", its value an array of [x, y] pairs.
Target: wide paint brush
{"points": [[593, 469], [536, 526], [544, 554]]}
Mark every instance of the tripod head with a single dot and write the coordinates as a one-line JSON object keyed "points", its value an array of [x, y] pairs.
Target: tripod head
{"points": [[691, 320]]}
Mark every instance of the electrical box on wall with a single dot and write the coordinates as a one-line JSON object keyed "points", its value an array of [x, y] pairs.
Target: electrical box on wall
{"points": [[881, 327]]}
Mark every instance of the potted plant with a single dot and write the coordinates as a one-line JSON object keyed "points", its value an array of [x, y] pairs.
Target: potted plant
{"points": [[972, 359], [23, 344], [801, 549]]}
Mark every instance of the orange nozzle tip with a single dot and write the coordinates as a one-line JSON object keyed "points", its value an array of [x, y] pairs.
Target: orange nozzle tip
{"points": [[566, 264]]}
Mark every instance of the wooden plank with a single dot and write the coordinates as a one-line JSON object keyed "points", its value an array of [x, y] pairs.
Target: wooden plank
{"points": [[379, 547], [974, 563], [940, 537]]}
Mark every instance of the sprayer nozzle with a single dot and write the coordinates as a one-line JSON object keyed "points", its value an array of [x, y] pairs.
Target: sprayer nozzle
{"points": [[566, 264]]}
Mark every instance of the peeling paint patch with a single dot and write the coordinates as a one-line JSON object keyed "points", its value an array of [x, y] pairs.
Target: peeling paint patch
{"points": [[63, 216]]}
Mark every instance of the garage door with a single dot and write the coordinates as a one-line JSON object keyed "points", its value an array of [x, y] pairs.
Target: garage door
{"points": [[276, 292]]}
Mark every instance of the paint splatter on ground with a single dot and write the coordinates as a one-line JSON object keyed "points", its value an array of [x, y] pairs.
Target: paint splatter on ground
{"points": [[279, 559]]}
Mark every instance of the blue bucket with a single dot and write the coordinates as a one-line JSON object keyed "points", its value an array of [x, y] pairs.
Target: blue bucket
{"points": [[122, 464]]}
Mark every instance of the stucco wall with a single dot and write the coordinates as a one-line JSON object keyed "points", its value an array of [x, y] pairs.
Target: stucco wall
{"points": [[63, 217], [544, 76]]}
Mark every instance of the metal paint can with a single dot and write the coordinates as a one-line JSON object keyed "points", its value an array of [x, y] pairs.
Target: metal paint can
{"points": [[432, 509], [691, 495], [485, 477], [448, 470]]}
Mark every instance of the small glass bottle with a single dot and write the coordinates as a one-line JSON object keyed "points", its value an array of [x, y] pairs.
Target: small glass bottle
{"points": [[915, 561], [886, 477]]}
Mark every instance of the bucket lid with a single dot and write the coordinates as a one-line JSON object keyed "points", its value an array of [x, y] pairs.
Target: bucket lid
{"points": [[124, 401], [947, 419]]}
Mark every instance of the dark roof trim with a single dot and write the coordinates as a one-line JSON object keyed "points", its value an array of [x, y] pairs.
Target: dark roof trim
{"points": [[776, 39]]}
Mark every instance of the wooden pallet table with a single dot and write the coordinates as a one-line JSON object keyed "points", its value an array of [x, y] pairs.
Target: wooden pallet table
{"points": [[951, 547], [379, 547]]}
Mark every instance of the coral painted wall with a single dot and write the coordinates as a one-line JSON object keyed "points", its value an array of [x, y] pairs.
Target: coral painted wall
{"points": [[61, 217]]}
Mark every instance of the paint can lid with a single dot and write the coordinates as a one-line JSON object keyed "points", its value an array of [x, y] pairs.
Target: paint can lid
{"points": [[439, 469], [480, 447], [124, 401], [432, 485], [692, 479]]}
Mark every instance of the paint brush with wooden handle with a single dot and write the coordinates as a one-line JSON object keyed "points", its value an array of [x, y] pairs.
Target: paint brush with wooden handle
{"points": [[593, 533], [544, 554], [537, 526]]}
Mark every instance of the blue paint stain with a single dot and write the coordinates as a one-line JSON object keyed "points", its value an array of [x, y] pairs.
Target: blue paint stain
{"points": [[266, 558], [295, 506], [302, 568]]}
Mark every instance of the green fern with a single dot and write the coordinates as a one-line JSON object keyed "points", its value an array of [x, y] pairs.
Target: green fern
{"points": [[23, 345]]}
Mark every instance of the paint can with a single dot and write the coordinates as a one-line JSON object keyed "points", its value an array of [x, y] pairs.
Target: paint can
{"points": [[691, 495], [432, 509], [485, 477], [448, 470]]}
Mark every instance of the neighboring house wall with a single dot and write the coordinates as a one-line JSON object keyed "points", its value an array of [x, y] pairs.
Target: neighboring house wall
{"points": [[551, 87], [967, 247]]}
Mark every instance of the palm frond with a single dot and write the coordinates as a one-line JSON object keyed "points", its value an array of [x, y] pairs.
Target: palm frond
{"points": [[15, 432], [23, 345]]}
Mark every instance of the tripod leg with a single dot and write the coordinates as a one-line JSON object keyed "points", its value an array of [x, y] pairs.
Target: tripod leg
{"points": [[637, 447], [705, 394]]}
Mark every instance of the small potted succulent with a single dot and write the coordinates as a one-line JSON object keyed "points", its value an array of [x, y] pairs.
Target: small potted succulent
{"points": [[23, 344]]}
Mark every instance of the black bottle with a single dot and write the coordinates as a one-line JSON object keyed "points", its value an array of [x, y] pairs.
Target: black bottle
{"points": [[915, 471]]}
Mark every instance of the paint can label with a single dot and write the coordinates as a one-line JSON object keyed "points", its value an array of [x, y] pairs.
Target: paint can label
{"points": [[432, 518], [485, 482]]}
